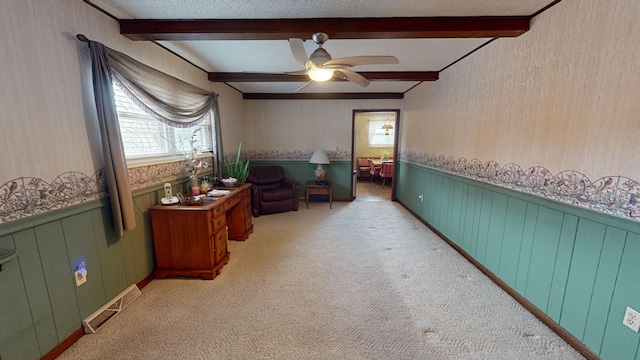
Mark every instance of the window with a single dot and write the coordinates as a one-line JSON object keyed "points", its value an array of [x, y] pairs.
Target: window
{"points": [[147, 140], [378, 136]]}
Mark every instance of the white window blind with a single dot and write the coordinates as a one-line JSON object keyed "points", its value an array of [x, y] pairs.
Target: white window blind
{"points": [[377, 137], [148, 140]]}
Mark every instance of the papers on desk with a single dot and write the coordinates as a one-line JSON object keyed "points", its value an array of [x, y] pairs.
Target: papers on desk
{"points": [[218, 193]]}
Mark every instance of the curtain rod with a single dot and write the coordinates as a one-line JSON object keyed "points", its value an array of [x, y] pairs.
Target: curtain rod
{"points": [[82, 38]]}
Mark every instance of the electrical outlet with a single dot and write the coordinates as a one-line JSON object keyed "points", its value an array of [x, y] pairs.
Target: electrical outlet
{"points": [[80, 278], [80, 274], [632, 319], [421, 197]]}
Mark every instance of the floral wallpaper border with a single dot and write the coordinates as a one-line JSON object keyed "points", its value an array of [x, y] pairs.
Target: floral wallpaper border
{"points": [[27, 196], [292, 155], [143, 176], [613, 195]]}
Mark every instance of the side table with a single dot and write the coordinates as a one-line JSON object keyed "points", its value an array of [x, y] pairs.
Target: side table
{"points": [[313, 188]]}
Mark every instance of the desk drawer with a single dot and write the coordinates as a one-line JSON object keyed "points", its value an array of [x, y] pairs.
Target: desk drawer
{"points": [[220, 238], [233, 200], [217, 211], [220, 242], [218, 223]]}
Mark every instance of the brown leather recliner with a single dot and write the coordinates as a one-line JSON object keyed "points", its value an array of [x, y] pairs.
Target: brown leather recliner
{"points": [[271, 191]]}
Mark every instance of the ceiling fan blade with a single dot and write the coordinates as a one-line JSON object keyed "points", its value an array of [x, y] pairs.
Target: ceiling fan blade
{"points": [[352, 76], [362, 60], [306, 85], [298, 51]]}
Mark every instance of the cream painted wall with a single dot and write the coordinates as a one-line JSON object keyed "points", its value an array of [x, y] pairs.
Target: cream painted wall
{"points": [[290, 125], [362, 136], [565, 96], [47, 119]]}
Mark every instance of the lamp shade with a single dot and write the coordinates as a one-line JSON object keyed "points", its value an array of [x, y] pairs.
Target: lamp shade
{"points": [[319, 157]]}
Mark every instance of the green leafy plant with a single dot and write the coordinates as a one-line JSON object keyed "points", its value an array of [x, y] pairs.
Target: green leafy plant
{"points": [[238, 169], [207, 178], [207, 182], [385, 154]]}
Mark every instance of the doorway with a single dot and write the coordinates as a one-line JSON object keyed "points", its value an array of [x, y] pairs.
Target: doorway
{"points": [[374, 136]]}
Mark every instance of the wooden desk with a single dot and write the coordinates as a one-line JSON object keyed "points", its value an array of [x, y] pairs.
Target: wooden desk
{"points": [[313, 188], [191, 240]]}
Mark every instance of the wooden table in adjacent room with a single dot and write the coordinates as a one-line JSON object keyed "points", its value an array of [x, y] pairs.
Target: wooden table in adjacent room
{"points": [[314, 188]]}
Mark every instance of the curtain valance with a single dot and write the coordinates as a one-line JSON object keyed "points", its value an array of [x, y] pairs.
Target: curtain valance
{"points": [[164, 97]]}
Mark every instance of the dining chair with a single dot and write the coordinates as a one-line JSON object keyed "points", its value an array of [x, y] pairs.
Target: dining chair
{"points": [[363, 167], [386, 172], [373, 171]]}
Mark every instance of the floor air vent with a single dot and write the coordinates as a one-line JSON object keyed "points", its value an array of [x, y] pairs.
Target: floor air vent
{"points": [[117, 304]]}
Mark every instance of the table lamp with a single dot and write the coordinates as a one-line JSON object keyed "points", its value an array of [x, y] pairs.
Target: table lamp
{"points": [[320, 158]]}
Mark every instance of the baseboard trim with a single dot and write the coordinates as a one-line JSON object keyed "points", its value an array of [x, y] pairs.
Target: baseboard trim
{"points": [[554, 326], [144, 282], [64, 345]]}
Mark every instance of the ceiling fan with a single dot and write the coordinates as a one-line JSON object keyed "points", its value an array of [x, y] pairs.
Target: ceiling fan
{"points": [[320, 67]]}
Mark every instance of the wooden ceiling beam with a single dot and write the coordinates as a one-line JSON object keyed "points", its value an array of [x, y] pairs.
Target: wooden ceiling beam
{"points": [[322, 96], [370, 75], [337, 28]]}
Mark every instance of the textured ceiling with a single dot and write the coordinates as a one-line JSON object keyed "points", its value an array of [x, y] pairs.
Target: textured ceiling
{"points": [[292, 9], [266, 56]]}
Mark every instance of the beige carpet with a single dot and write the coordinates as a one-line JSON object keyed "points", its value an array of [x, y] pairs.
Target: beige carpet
{"points": [[364, 280]]}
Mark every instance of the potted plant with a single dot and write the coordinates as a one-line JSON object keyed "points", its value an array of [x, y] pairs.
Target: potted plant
{"points": [[238, 169], [385, 155], [207, 182], [194, 163]]}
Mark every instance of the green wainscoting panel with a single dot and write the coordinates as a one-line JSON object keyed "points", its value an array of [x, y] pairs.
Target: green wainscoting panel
{"points": [[620, 342], [17, 336], [578, 266], [526, 246], [582, 274], [403, 186], [610, 258], [418, 187], [436, 202], [36, 287], [476, 219], [562, 265], [543, 250], [510, 253], [81, 246], [483, 225], [339, 172], [455, 214], [468, 226], [141, 238], [58, 274], [495, 235], [42, 305], [129, 255], [110, 253]]}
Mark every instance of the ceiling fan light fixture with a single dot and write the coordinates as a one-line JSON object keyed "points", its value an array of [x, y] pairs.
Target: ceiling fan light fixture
{"points": [[320, 74]]}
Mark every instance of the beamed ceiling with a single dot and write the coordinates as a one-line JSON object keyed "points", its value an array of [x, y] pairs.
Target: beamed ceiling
{"points": [[247, 47]]}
